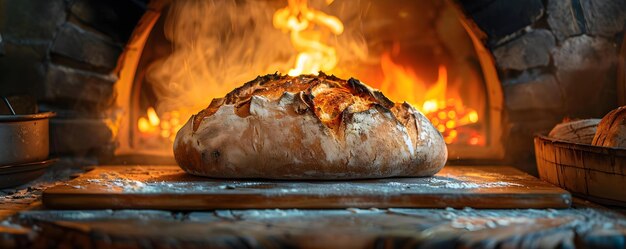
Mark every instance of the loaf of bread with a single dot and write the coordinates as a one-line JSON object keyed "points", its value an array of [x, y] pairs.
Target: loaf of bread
{"points": [[308, 127], [611, 131], [579, 131]]}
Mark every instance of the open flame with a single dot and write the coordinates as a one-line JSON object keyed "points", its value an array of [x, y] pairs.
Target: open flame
{"points": [[400, 83], [300, 21], [448, 114], [205, 61]]}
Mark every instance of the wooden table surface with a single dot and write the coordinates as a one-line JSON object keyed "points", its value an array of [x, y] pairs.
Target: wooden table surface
{"points": [[585, 226], [341, 228], [168, 187]]}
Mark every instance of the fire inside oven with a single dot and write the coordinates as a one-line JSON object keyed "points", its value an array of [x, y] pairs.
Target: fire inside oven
{"points": [[420, 52]]}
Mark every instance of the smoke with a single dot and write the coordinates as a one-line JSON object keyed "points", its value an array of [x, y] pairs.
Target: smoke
{"points": [[220, 44]]}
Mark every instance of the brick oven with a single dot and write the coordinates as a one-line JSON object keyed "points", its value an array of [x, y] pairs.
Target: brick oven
{"points": [[123, 76], [475, 80]]}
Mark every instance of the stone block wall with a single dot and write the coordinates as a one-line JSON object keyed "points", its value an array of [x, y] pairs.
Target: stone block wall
{"points": [[556, 59], [64, 52]]}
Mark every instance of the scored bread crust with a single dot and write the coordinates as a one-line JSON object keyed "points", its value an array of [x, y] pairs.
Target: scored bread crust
{"points": [[308, 127]]}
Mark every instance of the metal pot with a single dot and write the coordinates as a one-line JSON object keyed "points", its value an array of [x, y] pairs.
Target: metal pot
{"points": [[24, 138]]}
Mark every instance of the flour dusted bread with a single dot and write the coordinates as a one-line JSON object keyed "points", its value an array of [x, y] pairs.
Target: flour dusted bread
{"points": [[611, 131], [308, 127]]}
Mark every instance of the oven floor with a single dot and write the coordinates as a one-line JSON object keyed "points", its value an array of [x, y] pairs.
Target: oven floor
{"points": [[26, 223], [169, 188]]}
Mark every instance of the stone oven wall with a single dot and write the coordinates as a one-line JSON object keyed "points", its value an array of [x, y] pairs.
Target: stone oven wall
{"points": [[556, 59], [65, 52]]}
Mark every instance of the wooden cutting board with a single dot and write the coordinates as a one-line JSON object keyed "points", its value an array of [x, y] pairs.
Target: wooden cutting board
{"points": [[168, 187]]}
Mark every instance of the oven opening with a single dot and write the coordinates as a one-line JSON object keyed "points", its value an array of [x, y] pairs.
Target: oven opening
{"points": [[425, 53]]}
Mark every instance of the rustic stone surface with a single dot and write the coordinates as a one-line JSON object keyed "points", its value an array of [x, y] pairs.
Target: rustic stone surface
{"points": [[84, 49], [21, 69], [541, 93], [472, 6], [79, 136], [28, 195], [519, 144], [583, 52], [604, 17], [114, 18], [529, 50], [504, 17], [2, 49], [586, 73], [73, 85], [32, 19], [564, 20]]}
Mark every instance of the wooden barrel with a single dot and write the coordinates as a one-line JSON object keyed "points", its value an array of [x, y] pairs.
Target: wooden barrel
{"points": [[591, 172]]}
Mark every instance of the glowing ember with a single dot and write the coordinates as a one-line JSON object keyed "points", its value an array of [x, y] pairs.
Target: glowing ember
{"points": [[164, 127], [300, 20], [448, 115]]}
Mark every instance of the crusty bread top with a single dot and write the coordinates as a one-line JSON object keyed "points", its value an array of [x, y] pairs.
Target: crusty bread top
{"points": [[308, 127], [327, 96]]}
